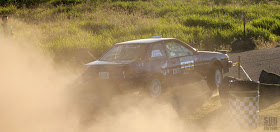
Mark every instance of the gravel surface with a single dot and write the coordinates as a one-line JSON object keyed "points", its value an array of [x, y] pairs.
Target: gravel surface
{"points": [[255, 61]]}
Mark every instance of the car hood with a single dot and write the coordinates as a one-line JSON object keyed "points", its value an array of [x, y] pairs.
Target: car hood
{"points": [[209, 55]]}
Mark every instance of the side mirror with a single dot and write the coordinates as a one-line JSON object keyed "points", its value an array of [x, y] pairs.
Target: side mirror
{"points": [[195, 52]]}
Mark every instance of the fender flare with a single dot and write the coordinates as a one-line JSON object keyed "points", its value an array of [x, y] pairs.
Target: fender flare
{"points": [[215, 62]]}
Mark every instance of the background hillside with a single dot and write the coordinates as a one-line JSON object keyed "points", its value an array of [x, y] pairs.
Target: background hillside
{"points": [[63, 26]]}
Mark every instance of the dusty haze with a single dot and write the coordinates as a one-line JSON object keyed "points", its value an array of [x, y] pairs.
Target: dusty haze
{"points": [[35, 96]]}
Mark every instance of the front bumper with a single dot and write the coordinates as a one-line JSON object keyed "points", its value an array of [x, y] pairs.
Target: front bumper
{"points": [[226, 65], [229, 64]]}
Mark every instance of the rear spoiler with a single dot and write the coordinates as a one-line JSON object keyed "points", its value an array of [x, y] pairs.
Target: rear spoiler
{"points": [[223, 51]]}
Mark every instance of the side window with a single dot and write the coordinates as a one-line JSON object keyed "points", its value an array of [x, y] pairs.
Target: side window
{"points": [[157, 51], [186, 50], [175, 50]]}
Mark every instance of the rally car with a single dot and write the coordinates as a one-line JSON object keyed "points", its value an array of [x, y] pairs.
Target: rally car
{"points": [[155, 64]]}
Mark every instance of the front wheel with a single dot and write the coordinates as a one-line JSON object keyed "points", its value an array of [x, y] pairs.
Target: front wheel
{"points": [[155, 88], [215, 78]]}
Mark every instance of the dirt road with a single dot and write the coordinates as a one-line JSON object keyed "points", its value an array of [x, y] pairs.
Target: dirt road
{"points": [[255, 61]]}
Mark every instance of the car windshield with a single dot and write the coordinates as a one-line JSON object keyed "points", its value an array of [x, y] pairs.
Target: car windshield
{"points": [[125, 52]]}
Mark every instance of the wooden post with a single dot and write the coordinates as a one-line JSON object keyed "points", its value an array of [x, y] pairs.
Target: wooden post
{"points": [[244, 26], [239, 67]]}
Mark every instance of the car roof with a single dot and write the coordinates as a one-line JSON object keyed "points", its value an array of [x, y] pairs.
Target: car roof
{"points": [[145, 41]]}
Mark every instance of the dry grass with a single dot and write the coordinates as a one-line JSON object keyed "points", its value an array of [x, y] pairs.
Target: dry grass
{"points": [[98, 25]]}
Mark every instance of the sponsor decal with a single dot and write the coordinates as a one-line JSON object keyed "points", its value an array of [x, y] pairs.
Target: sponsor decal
{"points": [[176, 71], [156, 53], [164, 65], [187, 63]]}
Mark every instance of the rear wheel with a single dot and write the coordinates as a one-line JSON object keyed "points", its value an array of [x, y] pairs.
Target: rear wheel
{"points": [[215, 78], [155, 88]]}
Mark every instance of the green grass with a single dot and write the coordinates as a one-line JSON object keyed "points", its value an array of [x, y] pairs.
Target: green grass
{"points": [[97, 25], [270, 24]]}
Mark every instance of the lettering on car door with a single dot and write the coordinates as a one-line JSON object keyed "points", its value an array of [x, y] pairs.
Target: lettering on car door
{"points": [[181, 59], [158, 59]]}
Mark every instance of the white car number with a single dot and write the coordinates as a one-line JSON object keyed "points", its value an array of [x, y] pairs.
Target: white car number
{"points": [[104, 75]]}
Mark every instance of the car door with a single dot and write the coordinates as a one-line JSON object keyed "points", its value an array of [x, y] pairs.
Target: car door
{"points": [[181, 61], [188, 64], [158, 59], [174, 65]]}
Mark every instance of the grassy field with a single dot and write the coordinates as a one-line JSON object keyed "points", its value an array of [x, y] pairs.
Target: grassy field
{"points": [[68, 25]]}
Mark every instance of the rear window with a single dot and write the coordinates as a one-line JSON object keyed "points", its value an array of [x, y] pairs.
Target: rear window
{"points": [[125, 52]]}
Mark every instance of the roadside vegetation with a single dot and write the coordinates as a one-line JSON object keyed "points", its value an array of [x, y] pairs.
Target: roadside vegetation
{"points": [[64, 26]]}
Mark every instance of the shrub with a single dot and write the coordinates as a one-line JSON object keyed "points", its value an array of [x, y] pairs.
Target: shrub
{"points": [[94, 27], [206, 22], [227, 10], [4, 2], [7, 11], [277, 16], [27, 3], [165, 10], [276, 28], [270, 24], [65, 2], [223, 2], [243, 44], [129, 6], [265, 23], [260, 33]]}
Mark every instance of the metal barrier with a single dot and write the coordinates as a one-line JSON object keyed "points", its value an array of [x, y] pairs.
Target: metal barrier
{"points": [[244, 104]]}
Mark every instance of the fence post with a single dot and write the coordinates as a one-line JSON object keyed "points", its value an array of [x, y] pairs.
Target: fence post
{"points": [[239, 67]]}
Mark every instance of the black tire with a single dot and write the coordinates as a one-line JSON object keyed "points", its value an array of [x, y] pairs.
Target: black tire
{"points": [[154, 88], [215, 78], [224, 91]]}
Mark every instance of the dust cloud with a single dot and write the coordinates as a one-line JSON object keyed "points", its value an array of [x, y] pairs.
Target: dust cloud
{"points": [[34, 96], [32, 91]]}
